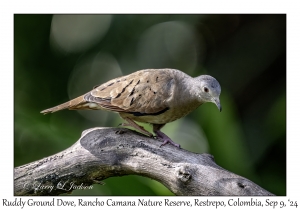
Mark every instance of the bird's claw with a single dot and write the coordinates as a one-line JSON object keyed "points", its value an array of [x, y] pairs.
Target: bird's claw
{"points": [[163, 137], [166, 141]]}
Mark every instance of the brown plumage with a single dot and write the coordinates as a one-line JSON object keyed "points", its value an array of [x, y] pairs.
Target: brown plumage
{"points": [[155, 96]]}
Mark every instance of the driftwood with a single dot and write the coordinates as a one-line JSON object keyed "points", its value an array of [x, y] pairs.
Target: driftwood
{"points": [[106, 152]]}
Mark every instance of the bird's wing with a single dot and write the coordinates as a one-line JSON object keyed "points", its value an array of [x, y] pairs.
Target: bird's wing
{"points": [[142, 92]]}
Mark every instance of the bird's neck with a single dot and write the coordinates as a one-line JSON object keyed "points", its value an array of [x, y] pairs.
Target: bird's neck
{"points": [[190, 89]]}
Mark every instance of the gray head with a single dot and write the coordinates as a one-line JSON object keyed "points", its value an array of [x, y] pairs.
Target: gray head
{"points": [[210, 90]]}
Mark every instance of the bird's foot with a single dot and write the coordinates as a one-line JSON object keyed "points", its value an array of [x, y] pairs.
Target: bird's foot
{"points": [[166, 139], [170, 142]]}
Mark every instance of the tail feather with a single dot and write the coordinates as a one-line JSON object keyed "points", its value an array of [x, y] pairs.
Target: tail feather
{"points": [[68, 105]]}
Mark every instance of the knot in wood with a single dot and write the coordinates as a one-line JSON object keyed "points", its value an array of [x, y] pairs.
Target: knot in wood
{"points": [[183, 173]]}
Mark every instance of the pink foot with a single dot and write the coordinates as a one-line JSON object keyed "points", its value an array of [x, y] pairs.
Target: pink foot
{"points": [[166, 139]]}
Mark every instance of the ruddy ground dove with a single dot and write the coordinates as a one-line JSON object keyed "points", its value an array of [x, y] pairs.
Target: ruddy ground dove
{"points": [[155, 96]]}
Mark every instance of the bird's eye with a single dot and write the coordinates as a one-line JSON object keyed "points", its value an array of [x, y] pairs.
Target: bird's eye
{"points": [[206, 89]]}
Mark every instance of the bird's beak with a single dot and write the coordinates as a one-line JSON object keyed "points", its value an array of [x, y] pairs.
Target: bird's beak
{"points": [[218, 104]]}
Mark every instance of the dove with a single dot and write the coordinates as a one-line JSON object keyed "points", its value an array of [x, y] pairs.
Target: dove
{"points": [[154, 96]]}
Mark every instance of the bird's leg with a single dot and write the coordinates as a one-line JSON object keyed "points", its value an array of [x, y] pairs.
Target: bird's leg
{"points": [[131, 123], [164, 137]]}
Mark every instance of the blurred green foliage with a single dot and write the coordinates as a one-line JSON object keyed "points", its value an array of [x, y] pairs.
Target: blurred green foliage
{"points": [[59, 57]]}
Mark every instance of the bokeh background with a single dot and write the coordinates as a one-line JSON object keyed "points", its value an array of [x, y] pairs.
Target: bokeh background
{"points": [[59, 57]]}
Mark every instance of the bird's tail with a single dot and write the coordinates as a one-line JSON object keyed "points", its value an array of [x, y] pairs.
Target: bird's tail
{"points": [[73, 104]]}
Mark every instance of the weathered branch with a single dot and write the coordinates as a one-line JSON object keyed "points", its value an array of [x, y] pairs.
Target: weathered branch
{"points": [[106, 152]]}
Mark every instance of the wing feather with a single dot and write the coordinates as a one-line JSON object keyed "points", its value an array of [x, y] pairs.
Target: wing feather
{"points": [[145, 91]]}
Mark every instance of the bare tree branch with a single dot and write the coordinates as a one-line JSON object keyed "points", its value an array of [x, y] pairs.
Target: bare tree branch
{"points": [[106, 152]]}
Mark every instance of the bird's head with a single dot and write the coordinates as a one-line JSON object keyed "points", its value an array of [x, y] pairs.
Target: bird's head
{"points": [[210, 90]]}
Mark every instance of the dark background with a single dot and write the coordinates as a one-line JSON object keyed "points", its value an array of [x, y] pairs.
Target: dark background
{"points": [[59, 57]]}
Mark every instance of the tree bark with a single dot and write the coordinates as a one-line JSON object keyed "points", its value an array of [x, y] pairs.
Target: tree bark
{"points": [[101, 153]]}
